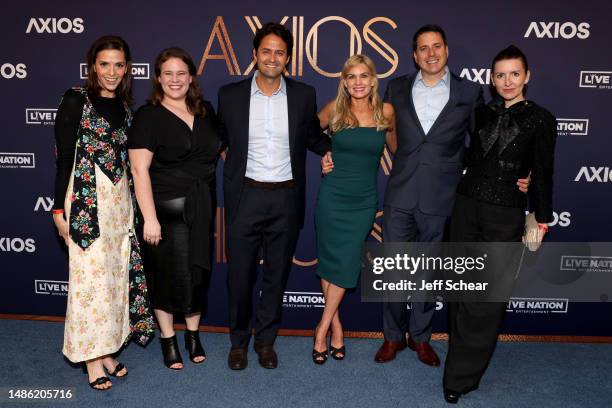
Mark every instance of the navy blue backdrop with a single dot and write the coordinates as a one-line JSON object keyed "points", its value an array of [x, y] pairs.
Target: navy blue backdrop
{"points": [[42, 49]]}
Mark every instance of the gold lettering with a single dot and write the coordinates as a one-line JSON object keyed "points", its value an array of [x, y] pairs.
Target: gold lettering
{"points": [[312, 44], [305, 263], [376, 231], [301, 47], [219, 33], [386, 162], [370, 36]]}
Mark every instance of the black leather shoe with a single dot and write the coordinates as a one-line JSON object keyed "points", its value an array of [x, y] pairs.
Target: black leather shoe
{"points": [[267, 356], [451, 397], [237, 358]]}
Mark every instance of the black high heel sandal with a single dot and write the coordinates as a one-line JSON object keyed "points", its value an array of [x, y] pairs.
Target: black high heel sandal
{"points": [[318, 357], [171, 352], [101, 381], [193, 346], [117, 370], [337, 353]]}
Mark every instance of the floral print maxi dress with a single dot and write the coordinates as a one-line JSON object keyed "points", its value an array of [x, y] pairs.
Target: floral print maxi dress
{"points": [[107, 301]]}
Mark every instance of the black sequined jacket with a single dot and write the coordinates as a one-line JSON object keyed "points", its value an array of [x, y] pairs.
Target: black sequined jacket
{"points": [[507, 145]]}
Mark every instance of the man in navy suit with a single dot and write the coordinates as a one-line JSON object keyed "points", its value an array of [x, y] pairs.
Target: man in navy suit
{"points": [[267, 122], [434, 112]]}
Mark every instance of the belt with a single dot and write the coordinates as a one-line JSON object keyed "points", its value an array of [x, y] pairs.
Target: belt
{"points": [[269, 185]]}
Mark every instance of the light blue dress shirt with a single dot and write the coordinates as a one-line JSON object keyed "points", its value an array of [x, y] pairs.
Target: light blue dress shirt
{"points": [[430, 100], [268, 158]]}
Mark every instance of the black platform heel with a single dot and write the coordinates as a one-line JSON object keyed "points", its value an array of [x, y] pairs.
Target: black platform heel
{"points": [[171, 352], [193, 346]]}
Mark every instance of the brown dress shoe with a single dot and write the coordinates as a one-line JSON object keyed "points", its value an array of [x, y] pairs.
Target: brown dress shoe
{"points": [[425, 353], [267, 356], [388, 350], [237, 358]]}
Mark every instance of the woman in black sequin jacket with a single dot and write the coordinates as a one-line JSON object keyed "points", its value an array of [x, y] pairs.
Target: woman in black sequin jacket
{"points": [[513, 137]]}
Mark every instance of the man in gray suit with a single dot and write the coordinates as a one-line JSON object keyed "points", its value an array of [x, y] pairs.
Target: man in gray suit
{"points": [[434, 110]]}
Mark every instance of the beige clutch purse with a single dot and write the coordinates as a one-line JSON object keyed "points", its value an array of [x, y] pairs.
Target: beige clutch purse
{"points": [[533, 234]]}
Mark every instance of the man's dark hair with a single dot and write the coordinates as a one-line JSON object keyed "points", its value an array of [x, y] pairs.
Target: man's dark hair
{"points": [[276, 29], [510, 52], [428, 28]]}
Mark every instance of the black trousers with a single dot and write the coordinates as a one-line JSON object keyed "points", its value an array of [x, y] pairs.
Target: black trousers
{"points": [[266, 220], [473, 327]]}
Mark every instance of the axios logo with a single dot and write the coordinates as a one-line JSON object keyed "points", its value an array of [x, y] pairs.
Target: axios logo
{"points": [[53, 25], [586, 263], [50, 287], [537, 305], [439, 304], [40, 116], [572, 127], [140, 70], [596, 79], [597, 174], [44, 204], [560, 219], [9, 71], [17, 245], [479, 75], [220, 38], [303, 299], [17, 160], [565, 30]]}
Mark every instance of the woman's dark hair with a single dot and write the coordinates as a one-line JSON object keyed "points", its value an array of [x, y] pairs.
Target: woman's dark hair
{"points": [[276, 29], [510, 52], [428, 28], [109, 42], [193, 99]]}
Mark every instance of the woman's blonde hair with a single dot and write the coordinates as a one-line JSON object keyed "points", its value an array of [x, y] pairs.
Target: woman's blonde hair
{"points": [[342, 117]]}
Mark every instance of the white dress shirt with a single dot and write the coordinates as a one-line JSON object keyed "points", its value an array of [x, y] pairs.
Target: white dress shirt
{"points": [[268, 158], [430, 100]]}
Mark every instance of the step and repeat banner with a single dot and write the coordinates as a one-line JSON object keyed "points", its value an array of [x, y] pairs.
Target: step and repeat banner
{"points": [[42, 53]]}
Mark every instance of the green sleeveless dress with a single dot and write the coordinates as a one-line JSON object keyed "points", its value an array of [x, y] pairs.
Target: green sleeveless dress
{"points": [[347, 204]]}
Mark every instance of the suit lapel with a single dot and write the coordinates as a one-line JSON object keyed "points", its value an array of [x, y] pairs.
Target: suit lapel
{"points": [[292, 113], [243, 108], [409, 84], [455, 91]]}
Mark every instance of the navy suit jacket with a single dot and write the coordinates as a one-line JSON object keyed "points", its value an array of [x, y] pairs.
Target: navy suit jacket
{"points": [[428, 167], [304, 133]]}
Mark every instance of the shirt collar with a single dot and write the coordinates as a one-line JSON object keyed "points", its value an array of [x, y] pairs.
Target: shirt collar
{"points": [[255, 88], [445, 80]]}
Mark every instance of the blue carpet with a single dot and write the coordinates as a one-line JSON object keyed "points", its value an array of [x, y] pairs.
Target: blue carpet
{"points": [[520, 375]]}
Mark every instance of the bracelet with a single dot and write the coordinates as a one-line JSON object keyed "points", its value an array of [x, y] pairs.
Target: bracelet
{"points": [[543, 227], [58, 211]]}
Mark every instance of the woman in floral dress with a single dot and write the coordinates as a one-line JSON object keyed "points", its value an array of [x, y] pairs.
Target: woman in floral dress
{"points": [[94, 214]]}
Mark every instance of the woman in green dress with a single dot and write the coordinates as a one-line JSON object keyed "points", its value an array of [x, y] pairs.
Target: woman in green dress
{"points": [[359, 124]]}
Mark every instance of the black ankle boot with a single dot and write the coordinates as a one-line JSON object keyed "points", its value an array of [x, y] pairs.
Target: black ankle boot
{"points": [[193, 345], [170, 351]]}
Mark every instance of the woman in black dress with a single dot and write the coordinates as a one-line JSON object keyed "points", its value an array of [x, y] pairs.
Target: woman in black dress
{"points": [[513, 137], [173, 151]]}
